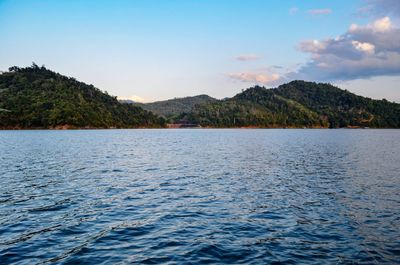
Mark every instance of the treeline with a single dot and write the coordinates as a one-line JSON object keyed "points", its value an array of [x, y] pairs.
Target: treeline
{"points": [[296, 104], [340, 107], [35, 97]]}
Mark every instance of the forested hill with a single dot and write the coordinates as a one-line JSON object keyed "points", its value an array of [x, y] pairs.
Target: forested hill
{"points": [[172, 108], [296, 104], [35, 97], [340, 107]]}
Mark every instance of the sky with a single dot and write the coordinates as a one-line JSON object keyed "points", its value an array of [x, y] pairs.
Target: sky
{"points": [[149, 50]]}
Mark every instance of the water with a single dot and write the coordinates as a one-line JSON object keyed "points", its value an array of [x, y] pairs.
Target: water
{"points": [[200, 196]]}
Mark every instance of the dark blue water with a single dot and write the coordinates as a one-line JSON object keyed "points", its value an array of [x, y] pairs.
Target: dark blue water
{"points": [[200, 196]]}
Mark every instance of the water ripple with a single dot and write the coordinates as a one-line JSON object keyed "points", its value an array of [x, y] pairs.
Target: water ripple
{"points": [[200, 196]]}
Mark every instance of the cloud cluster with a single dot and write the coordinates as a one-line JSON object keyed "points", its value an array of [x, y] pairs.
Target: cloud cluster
{"points": [[247, 57], [255, 77], [361, 52]]}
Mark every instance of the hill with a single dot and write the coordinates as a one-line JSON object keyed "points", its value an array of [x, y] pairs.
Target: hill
{"points": [[172, 108], [340, 107], [35, 97], [296, 104]]}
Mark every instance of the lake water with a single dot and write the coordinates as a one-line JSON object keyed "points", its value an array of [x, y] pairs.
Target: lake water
{"points": [[200, 196]]}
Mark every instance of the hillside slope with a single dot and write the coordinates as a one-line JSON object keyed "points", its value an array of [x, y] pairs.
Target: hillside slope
{"points": [[296, 104], [340, 107], [35, 97]]}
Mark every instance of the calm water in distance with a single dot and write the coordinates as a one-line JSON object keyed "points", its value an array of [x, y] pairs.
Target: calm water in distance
{"points": [[200, 196]]}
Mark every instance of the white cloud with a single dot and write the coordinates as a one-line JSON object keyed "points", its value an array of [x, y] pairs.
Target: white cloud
{"points": [[382, 25], [323, 11], [364, 46], [313, 46], [361, 52], [381, 33], [255, 77], [379, 25], [247, 57]]}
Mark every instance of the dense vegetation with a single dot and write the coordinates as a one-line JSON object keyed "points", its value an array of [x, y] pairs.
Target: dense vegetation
{"points": [[296, 104], [340, 107], [172, 108], [35, 97]]}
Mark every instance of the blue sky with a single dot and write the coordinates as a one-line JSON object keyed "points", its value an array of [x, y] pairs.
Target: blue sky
{"points": [[157, 50]]}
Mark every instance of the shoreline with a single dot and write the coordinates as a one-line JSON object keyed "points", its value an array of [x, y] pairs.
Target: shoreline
{"points": [[193, 128]]}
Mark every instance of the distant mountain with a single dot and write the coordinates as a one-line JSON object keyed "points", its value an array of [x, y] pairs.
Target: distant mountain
{"points": [[35, 97], [296, 104], [172, 108]]}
